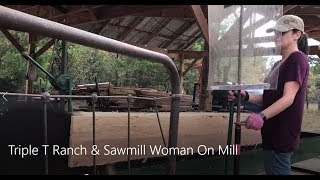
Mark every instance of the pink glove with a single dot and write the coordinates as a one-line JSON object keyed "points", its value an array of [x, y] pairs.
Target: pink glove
{"points": [[254, 121], [232, 96]]}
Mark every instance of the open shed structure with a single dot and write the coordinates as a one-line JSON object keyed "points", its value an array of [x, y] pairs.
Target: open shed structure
{"points": [[168, 29]]}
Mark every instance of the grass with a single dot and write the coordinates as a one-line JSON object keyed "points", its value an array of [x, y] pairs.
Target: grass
{"points": [[311, 119]]}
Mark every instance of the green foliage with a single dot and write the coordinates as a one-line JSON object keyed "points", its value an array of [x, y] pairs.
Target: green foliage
{"points": [[190, 78], [314, 80], [198, 45], [12, 64], [84, 64]]}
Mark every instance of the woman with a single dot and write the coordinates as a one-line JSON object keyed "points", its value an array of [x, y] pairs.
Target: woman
{"points": [[281, 118]]}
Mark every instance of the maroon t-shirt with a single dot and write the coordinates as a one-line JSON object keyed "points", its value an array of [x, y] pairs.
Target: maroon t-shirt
{"points": [[282, 132]]}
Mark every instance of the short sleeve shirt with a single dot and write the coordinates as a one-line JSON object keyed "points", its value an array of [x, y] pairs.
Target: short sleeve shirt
{"points": [[282, 132]]}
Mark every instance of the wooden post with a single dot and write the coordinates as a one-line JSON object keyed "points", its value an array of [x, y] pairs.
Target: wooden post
{"points": [[64, 57], [31, 69], [181, 68], [201, 20], [205, 100], [63, 65]]}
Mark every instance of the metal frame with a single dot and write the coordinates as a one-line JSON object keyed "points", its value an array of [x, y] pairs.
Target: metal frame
{"points": [[19, 21]]}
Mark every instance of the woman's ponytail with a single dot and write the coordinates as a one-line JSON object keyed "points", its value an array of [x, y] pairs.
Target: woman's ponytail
{"points": [[303, 43]]}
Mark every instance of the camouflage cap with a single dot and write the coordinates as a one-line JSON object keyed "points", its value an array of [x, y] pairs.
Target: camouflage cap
{"points": [[287, 23]]}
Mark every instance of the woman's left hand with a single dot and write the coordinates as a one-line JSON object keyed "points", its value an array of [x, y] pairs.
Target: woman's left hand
{"points": [[254, 121]]}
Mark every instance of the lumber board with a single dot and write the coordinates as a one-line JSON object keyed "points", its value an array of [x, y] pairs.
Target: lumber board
{"points": [[195, 129]]}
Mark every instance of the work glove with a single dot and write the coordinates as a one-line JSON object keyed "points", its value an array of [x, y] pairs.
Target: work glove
{"points": [[233, 96], [254, 121]]}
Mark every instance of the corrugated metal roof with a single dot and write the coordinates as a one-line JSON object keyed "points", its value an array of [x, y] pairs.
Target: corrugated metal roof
{"points": [[136, 30], [164, 26]]}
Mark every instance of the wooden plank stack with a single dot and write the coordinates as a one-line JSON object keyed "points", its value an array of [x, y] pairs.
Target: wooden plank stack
{"points": [[121, 104]]}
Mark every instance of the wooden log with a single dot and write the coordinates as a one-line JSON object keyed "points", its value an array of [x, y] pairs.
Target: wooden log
{"points": [[105, 90], [195, 129]]}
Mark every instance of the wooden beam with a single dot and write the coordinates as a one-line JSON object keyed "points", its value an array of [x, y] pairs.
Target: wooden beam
{"points": [[28, 8], [115, 11], [173, 54], [314, 50], [287, 8], [204, 95], [31, 72], [132, 27], [13, 41], [314, 34], [312, 28], [187, 46], [72, 10], [161, 25], [152, 34], [60, 8], [187, 53], [181, 58], [202, 22], [180, 11], [156, 49], [45, 47], [179, 32], [305, 11], [190, 66], [93, 15], [99, 27]]}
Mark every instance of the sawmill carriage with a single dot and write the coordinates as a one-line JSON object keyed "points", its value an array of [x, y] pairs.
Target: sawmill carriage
{"points": [[48, 122]]}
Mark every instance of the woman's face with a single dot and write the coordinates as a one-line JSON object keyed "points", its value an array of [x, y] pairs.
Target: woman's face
{"points": [[284, 40]]}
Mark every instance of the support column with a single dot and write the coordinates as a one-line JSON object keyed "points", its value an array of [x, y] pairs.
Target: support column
{"points": [[31, 73], [64, 57], [63, 70], [205, 100], [181, 67]]}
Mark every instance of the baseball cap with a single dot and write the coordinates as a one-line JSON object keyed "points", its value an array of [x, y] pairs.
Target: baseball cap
{"points": [[287, 23]]}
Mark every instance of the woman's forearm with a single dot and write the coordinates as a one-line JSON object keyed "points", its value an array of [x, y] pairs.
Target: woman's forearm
{"points": [[255, 98], [277, 107]]}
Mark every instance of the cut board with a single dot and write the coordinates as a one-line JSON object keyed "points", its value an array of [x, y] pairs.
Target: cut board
{"points": [[196, 130]]}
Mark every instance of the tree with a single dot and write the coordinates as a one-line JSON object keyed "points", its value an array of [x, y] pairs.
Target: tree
{"points": [[314, 80]]}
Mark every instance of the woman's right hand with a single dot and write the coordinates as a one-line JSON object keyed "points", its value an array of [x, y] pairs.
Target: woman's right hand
{"points": [[233, 96]]}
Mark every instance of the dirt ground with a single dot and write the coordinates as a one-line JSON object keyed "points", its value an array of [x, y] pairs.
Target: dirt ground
{"points": [[311, 119]]}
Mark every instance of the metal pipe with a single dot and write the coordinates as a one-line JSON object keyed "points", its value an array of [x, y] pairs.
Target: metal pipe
{"points": [[229, 140], [79, 96], [129, 137], [45, 136], [64, 56], [16, 20], [237, 136], [70, 93], [94, 100], [46, 99]]}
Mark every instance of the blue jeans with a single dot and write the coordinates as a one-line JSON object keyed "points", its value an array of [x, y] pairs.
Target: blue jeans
{"points": [[276, 163]]}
